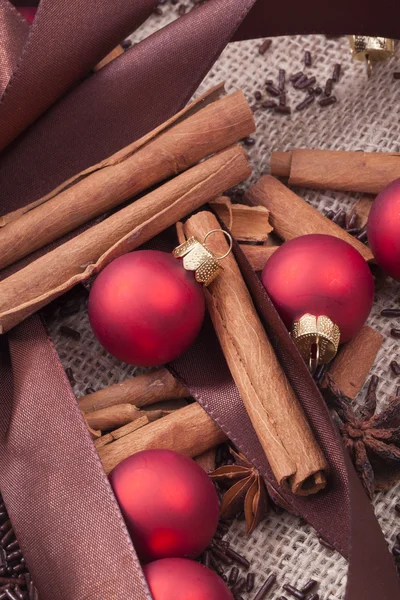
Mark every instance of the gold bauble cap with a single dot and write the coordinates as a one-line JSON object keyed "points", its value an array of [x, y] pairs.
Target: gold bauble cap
{"points": [[317, 338], [371, 49], [198, 258]]}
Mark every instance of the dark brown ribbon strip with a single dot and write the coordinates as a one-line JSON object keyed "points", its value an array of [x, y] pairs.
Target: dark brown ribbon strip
{"points": [[14, 31], [60, 503], [65, 41], [81, 129]]}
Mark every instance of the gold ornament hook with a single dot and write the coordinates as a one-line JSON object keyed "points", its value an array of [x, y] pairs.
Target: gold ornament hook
{"points": [[314, 362], [227, 235], [198, 258]]}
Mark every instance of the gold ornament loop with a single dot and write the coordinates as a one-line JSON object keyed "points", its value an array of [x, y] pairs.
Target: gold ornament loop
{"points": [[314, 362], [227, 235]]}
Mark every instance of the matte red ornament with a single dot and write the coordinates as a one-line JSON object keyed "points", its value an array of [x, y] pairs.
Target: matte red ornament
{"points": [[182, 579], [169, 504], [383, 229], [145, 308], [29, 12], [320, 275]]}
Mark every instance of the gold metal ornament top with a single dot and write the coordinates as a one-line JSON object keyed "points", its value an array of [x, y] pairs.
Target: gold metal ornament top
{"points": [[371, 49], [198, 258], [317, 338]]}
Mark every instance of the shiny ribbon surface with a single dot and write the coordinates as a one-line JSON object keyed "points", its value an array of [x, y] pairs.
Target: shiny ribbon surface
{"points": [[54, 122]]}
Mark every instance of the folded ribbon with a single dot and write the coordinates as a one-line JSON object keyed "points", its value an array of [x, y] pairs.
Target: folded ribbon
{"points": [[75, 542]]}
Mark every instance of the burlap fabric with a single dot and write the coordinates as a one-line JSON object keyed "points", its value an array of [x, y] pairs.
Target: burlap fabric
{"points": [[365, 118]]}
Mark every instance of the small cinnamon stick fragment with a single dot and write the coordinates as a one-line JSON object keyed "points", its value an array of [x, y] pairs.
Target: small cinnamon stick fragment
{"points": [[189, 431], [115, 52], [119, 415], [190, 136], [273, 408], [361, 209], [354, 360], [280, 163], [206, 460], [291, 216], [121, 431], [367, 172], [258, 255], [152, 387], [246, 223], [51, 275], [112, 417]]}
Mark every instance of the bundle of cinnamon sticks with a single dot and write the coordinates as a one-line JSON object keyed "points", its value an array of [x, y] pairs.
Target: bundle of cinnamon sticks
{"points": [[148, 412], [206, 128]]}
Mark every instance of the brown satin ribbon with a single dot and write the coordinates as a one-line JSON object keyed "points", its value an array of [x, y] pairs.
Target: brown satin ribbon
{"points": [[14, 31], [65, 483]]}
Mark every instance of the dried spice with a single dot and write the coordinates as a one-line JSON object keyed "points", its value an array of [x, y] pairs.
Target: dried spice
{"points": [[246, 491], [266, 587], [373, 440]]}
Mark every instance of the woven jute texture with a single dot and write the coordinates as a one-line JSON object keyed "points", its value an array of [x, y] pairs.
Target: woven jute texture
{"points": [[365, 118]]}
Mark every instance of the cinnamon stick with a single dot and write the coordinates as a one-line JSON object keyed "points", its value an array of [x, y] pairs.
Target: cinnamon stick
{"points": [[362, 208], [291, 216], [95, 433], [184, 140], [149, 388], [258, 255], [273, 408], [367, 172], [354, 360], [189, 431], [54, 273], [280, 163], [206, 460], [179, 232], [115, 52], [246, 223], [121, 431], [119, 415]]}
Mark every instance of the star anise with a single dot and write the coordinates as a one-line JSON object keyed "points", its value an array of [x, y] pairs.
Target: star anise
{"points": [[373, 440], [246, 491]]}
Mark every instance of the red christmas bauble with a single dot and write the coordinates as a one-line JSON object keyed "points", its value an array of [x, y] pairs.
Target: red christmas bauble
{"points": [[169, 504], [320, 275], [145, 308], [384, 229], [182, 579], [29, 12]]}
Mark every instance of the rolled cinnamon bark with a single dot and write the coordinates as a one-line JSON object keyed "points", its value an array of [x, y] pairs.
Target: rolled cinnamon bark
{"points": [[149, 388], [246, 223], [338, 170], [190, 136], [273, 408], [121, 431], [34, 286], [206, 460], [189, 431], [362, 208], [112, 417], [115, 52], [354, 360], [119, 415], [258, 255], [291, 216]]}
